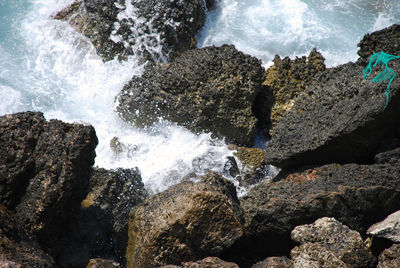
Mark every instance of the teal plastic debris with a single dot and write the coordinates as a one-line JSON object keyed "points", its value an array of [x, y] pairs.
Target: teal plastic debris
{"points": [[386, 75]]}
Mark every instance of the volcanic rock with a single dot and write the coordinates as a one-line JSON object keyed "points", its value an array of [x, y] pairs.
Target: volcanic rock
{"points": [[340, 119], [211, 89], [287, 78], [17, 250], [102, 263], [356, 195], [330, 243], [389, 228], [209, 262], [100, 226], [390, 258], [44, 171], [274, 262], [153, 29], [386, 40], [187, 222]]}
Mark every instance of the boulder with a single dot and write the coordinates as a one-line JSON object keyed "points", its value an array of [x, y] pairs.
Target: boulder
{"points": [[274, 262], [209, 262], [44, 171], [187, 222], [389, 228], [390, 258], [102, 263], [356, 195], [100, 226], [340, 119], [386, 40], [328, 243], [287, 78], [17, 250], [211, 89], [151, 29]]}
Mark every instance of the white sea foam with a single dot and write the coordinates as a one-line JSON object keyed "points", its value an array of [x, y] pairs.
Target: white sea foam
{"points": [[57, 71], [264, 28]]}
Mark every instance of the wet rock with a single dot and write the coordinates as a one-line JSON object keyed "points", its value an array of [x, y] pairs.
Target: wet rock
{"points": [[274, 262], [45, 170], [288, 78], [389, 228], [386, 40], [356, 195], [326, 237], [390, 258], [187, 222], [144, 28], [17, 250], [253, 168], [340, 119], [19, 135], [100, 226], [211, 89], [102, 263]]}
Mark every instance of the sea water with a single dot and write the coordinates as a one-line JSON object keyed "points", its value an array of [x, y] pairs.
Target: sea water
{"points": [[46, 66]]}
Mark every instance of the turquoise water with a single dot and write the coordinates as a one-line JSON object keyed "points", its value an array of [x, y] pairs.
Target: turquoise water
{"points": [[264, 28], [46, 66]]}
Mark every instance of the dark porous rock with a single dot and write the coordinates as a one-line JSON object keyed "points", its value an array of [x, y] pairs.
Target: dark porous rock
{"points": [[356, 195], [17, 250], [102, 263], [139, 27], [390, 258], [339, 119], [386, 40], [100, 227], [287, 78], [44, 171], [326, 237], [209, 262], [19, 135], [187, 222], [211, 89], [274, 262]]}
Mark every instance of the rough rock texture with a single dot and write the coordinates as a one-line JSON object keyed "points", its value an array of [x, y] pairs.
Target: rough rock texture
{"points": [[211, 89], [386, 40], [17, 250], [44, 170], [356, 195], [390, 258], [340, 119], [102, 263], [140, 28], [389, 228], [274, 262], [390, 157], [287, 78], [187, 222], [326, 237], [100, 227], [209, 262], [253, 168]]}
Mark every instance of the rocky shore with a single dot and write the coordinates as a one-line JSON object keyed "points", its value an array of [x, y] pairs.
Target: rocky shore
{"points": [[334, 203]]}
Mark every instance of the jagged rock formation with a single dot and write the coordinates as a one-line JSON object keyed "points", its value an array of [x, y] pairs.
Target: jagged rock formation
{"points": [[287, 78], [153, 29], [211, 89]]}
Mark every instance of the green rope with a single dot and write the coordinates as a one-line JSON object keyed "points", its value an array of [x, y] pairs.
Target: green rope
{"points": [[387, 74]]}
